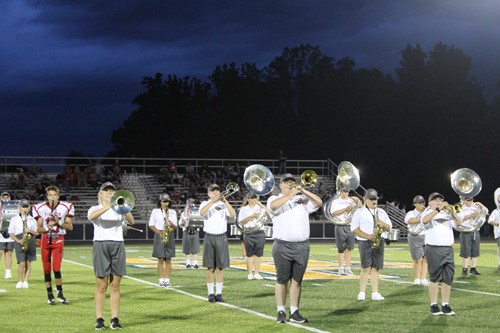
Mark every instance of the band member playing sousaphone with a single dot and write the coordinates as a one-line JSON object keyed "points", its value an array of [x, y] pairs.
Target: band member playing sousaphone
{"points": [[163, 222], [189, 222], [290, 214], [342, 209], [255, 241], [108, 255], [416, 241], [54, 220], [439, 220], [494, 220], [370, 224]]}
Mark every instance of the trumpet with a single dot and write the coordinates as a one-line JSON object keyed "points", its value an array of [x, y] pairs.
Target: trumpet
{"points": [[231, 188]]}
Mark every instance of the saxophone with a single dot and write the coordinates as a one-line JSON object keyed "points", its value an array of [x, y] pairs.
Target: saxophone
{"points": [[378, 233], [26, 236], [167, 231]]}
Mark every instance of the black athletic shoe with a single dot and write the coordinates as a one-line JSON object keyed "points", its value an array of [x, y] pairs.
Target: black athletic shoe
{"points": [[62, 299], [115, 324], [448, 311], [281, 319], [218, 298], [464, 272], [297, 318], [51, 300], [196, 266], [211, 298], [435, 311], [473, 271], [99, 324]]}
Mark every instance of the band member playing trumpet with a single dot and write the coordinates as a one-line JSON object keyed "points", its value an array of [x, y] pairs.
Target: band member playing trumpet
{"points": [[22, 229], [342, 209], [470, 241], [439, 221], [290, 214], [54, 220], [163, 222], [367, 224], [190, 236], [494, 220], [416, 241], [215, 248], [254, 242], [108, 255]]}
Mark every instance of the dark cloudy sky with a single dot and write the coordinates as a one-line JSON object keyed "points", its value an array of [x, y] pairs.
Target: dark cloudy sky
{"points": [[70, 69]]}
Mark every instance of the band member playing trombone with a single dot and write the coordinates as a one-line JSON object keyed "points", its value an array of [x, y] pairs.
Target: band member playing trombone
{"points": [[370, 224], [290, 214], [416, 241], [163, 222], [470, 241], [215, 247], [342, 209], [254, 242], [108, 254], [494, 220], [439, 220], [54, 219]]}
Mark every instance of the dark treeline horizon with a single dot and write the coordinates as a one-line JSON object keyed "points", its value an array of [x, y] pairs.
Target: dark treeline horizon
{"points": [[406, 134]]}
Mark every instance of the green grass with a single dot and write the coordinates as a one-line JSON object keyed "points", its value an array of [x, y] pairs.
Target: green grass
{"points": [[329, 304]]}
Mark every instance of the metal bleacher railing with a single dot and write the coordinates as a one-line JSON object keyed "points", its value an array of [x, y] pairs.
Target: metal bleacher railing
{"points": [[141, 177]]}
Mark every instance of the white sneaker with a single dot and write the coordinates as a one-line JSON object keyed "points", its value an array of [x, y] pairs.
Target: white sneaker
{"points": [[377, 297], [250, 276], [8, 275], [424, 282], [361, 296], [348, 271], [167, 284], [258, 277], [341, 271], [416, 282], [19, 285], [25, 285]]}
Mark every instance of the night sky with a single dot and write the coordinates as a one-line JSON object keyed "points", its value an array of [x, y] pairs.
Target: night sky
{"points": [[70, 69]]}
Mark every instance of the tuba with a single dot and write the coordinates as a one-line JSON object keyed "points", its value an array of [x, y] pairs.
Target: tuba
{"points": [[348, 177], [466, 182]]}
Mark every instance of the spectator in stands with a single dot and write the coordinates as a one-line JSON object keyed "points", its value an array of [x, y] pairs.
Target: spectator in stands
{"points": [[215, 249], [282, 162], [21, 179], [12, 182], [190, 170], [6, 243], [35, 170]]}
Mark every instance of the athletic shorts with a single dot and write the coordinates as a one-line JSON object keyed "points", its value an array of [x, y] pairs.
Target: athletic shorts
{"points": [[215, 251], [417, 246], [344, 238], [370, 257], [190, 242], [254, 244], [109, 258], [290, 260], [441, 263], [469, 244], [161, 250]]}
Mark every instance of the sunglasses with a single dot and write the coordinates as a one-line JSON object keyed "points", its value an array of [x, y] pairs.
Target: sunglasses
{"points": [[25, 206]]}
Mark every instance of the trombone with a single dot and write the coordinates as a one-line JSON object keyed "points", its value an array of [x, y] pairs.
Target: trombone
{"points": [[231, 188], [122, 202]]}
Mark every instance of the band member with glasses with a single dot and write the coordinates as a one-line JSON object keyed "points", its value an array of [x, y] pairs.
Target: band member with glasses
{"points": [[54, 220], [470, 241], [190, 236], [367, 224], [290, 214], [108, 254], [163, 222], [494, 220], [342, 209], [416, 241], [254, 242], [23, 225], [6, 242], [439, 221], [215, 247]]}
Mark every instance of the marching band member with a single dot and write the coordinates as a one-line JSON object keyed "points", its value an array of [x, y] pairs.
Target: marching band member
{"points": [[254, 242], [367, 224], [108, 254], [215, 247], [344, 237], [6, 242], [470, 241], [163, 222], [23, 225], [494, 220], [290, 214], [416, 241], [439, 220], [190, 237], [54, 220]]}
